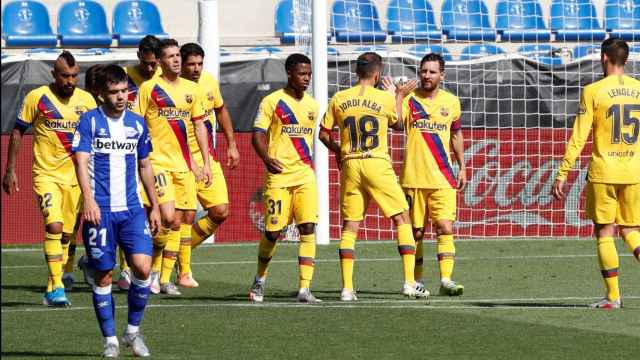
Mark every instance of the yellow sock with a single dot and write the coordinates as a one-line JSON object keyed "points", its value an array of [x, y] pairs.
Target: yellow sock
{"points": [[633, 242], [71, 253], [170, 255], [407, 249], [266, 250], [347, 258], [417, 272], [159, 242], [201, 230], [65, 242], [446, 256], [184, 255], [54, 255], [122, 260], [306, 259], [609, 264]]}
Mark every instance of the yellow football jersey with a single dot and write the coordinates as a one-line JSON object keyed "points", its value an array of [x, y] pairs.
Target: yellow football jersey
{"points": [[289, 124], [429, 124], [612, 107], [134, 80], [212, 100], [363, 115], [169, 111], [54, 121]]}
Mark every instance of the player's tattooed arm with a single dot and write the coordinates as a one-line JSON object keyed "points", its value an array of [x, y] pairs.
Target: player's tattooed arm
{"points": [[90, 209], [10, 179], [457, 143], [146, 176], [224, 119], [259, 142]]}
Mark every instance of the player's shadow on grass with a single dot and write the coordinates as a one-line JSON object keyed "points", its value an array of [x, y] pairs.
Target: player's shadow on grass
{"points": [[524, 305], [41, 288], [19, 303], [47, 355]]}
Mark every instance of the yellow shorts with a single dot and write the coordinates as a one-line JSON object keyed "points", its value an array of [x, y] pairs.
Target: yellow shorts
{"points": [[216, 193], [613, 203], [174, 186], [58, 203], [364, 179], [437, 204], [281, 205]]}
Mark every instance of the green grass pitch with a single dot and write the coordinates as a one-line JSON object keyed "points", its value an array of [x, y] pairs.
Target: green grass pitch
{"points": [[524, 299]]}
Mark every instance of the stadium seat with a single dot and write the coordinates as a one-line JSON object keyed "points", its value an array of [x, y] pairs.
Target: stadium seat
{"points": [[284, 24], [635, 49], [575, 20], [622, 19], [26, 23], [356, 21], [421, 50], [466, 20], [545, 54], [83, 23], [585, 50], [267, 49], [133, 20], [361, 49], [476, 51], [410, 20], [521, 20]]}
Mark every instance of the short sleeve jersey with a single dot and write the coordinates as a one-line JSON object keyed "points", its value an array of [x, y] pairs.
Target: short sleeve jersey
{"points": [[289, 124], [429, 124], [611, 107], [211, 101], [134, 80], [168, 111], [115, 146], [363, 115], [53, 120]]}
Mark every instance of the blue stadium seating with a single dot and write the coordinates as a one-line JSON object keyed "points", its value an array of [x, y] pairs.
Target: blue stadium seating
{"points": [[26, 23], [133, 20], [476, 51], [83, 23], [521, 20], [410, 20], [622, 19], [421, 50], [545, 54], [267, 49], [361, 49], [575, 20], [356, 21], [284, 25], [466, 20], [635, 49], [584, 50]]}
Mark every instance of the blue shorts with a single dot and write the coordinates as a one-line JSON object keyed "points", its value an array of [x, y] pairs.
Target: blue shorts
{"points": [[128, 229]]}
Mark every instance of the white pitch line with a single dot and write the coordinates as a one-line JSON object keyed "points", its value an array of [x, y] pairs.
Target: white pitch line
{"points": [[502, 304], [462, 258]]}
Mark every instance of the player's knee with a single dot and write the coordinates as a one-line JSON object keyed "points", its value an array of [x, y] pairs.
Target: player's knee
{"points": [[218, 213], [272, 235], [307, 228], [188, 217], [66, 238], [401, 219], [418, 234], [604, 230], [104, 278], [444, 227], [54, 228], [142, 272]]}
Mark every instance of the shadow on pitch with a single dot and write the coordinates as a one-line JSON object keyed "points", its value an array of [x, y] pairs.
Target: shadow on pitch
{"points": [[35, 354], [19, 303], [41, 288], [524, 305]]}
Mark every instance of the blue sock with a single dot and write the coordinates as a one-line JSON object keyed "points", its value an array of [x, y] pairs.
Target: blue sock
{"points": [[137, 299], [104, 306]]}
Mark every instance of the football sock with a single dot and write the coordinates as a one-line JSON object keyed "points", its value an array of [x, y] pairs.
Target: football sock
{"points": [[266, 250], [104, 307], [159, 242], [419, 261], [306, 256], [170, 255], [137, 300], [54, 255], [122, 260], [407, 249], [609, 263], [201, 230], [347, 258], [65, 241], [633, 242], [184, 254], [446, 255], [71, 255]]}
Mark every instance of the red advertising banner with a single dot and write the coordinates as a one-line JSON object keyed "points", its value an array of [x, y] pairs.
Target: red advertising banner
{"points": [[510, 174]]}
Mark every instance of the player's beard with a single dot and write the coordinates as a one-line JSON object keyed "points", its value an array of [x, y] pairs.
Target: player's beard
{"points": [[429, 86]]}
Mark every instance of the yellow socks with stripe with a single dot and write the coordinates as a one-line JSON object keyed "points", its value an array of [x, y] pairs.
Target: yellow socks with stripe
{"points": [[306, 259], [170, 255], [159, 242], [609, 264], [407, 249], [54, 255], [417, 272], [122, 260], [446, 255], [266, 250], [632, 239], [347, 257], [201, 230], [184, 255]]}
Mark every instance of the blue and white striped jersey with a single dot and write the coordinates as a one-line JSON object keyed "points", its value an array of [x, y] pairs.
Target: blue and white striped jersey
{"points": [[115, 146]]}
